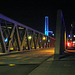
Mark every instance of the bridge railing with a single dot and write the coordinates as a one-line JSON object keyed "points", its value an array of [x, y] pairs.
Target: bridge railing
{"points": [[15, 36]]}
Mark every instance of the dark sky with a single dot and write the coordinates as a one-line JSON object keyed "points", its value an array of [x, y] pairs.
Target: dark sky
{"points": [[32, 13]]}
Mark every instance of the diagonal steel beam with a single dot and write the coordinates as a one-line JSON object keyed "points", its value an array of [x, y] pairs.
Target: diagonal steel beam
{"points": [[2, 40], [11, 36], [28, 42], [18, 39], [23, 40]]}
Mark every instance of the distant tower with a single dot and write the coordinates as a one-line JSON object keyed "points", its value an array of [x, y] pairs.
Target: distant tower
{"points": [[46, 26]]}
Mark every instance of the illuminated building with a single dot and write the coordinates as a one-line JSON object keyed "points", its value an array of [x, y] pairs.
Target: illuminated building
{"points": [[47, 26]]}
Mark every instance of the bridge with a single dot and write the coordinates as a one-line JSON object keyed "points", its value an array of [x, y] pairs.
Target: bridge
{"points": [[18, 37], [39, 53]]}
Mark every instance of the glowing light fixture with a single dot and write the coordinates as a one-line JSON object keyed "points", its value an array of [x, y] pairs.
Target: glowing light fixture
{"points": [[68, 44], [50, 32], [45, 43], [53, 34], [29, 37], [21, 28], [37, 47], [26, 47], [40, 40], [44, 38], [11, 48], [74, 35], [69, 35], [71, 39], [12, 64], [10, 27], [48, 40], [33, 47], [6, 40]]}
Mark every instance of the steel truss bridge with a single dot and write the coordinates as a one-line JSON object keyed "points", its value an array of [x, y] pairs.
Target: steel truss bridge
{"points": [[15, 36]]}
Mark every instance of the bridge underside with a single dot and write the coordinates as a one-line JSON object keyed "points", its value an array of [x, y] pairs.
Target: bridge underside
{"points": [[15, 36]]}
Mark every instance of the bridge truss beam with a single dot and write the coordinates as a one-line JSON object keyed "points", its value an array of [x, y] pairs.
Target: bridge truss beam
{"points": [[19, 37]]}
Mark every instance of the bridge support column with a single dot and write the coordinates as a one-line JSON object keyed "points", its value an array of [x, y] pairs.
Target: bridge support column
{"points": [[60, 35]]}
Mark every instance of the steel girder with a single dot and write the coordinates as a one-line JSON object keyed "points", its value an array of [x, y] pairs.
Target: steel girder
{"points": [[20, 37]]}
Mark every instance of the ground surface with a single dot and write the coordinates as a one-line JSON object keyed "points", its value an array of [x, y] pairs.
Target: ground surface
{"points": [[23, 64], [65, 66]]}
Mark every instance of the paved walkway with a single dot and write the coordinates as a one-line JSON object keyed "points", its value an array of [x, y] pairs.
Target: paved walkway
{"points": [[31, 57], [65, 66]]}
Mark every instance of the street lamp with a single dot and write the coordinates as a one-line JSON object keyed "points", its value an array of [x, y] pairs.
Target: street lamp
{"points": [[29, 37], [44, 38], [69, 35]]}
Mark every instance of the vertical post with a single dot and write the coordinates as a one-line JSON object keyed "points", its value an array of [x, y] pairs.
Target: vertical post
{"points": [[65, 39], [58, 34]]}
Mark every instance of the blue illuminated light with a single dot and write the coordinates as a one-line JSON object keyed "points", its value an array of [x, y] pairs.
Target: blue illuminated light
{"points": [[69, 35], [40, 40], [50, 32], [6, 40], [46, 25], [53, 34], [46, 16], [48, 40], [45, 43]]}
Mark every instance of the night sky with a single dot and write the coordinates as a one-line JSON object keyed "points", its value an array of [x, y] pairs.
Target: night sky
{"points": [[32, 13]]}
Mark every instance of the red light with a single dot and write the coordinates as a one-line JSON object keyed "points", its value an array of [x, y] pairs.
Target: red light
{"points": [[68, 44]]}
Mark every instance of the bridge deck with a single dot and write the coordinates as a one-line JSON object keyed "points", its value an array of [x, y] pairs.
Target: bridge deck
{"points": [[27, 57]]}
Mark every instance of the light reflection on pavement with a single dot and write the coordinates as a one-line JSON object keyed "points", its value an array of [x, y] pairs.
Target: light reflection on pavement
{"points": [[31, 57]]}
